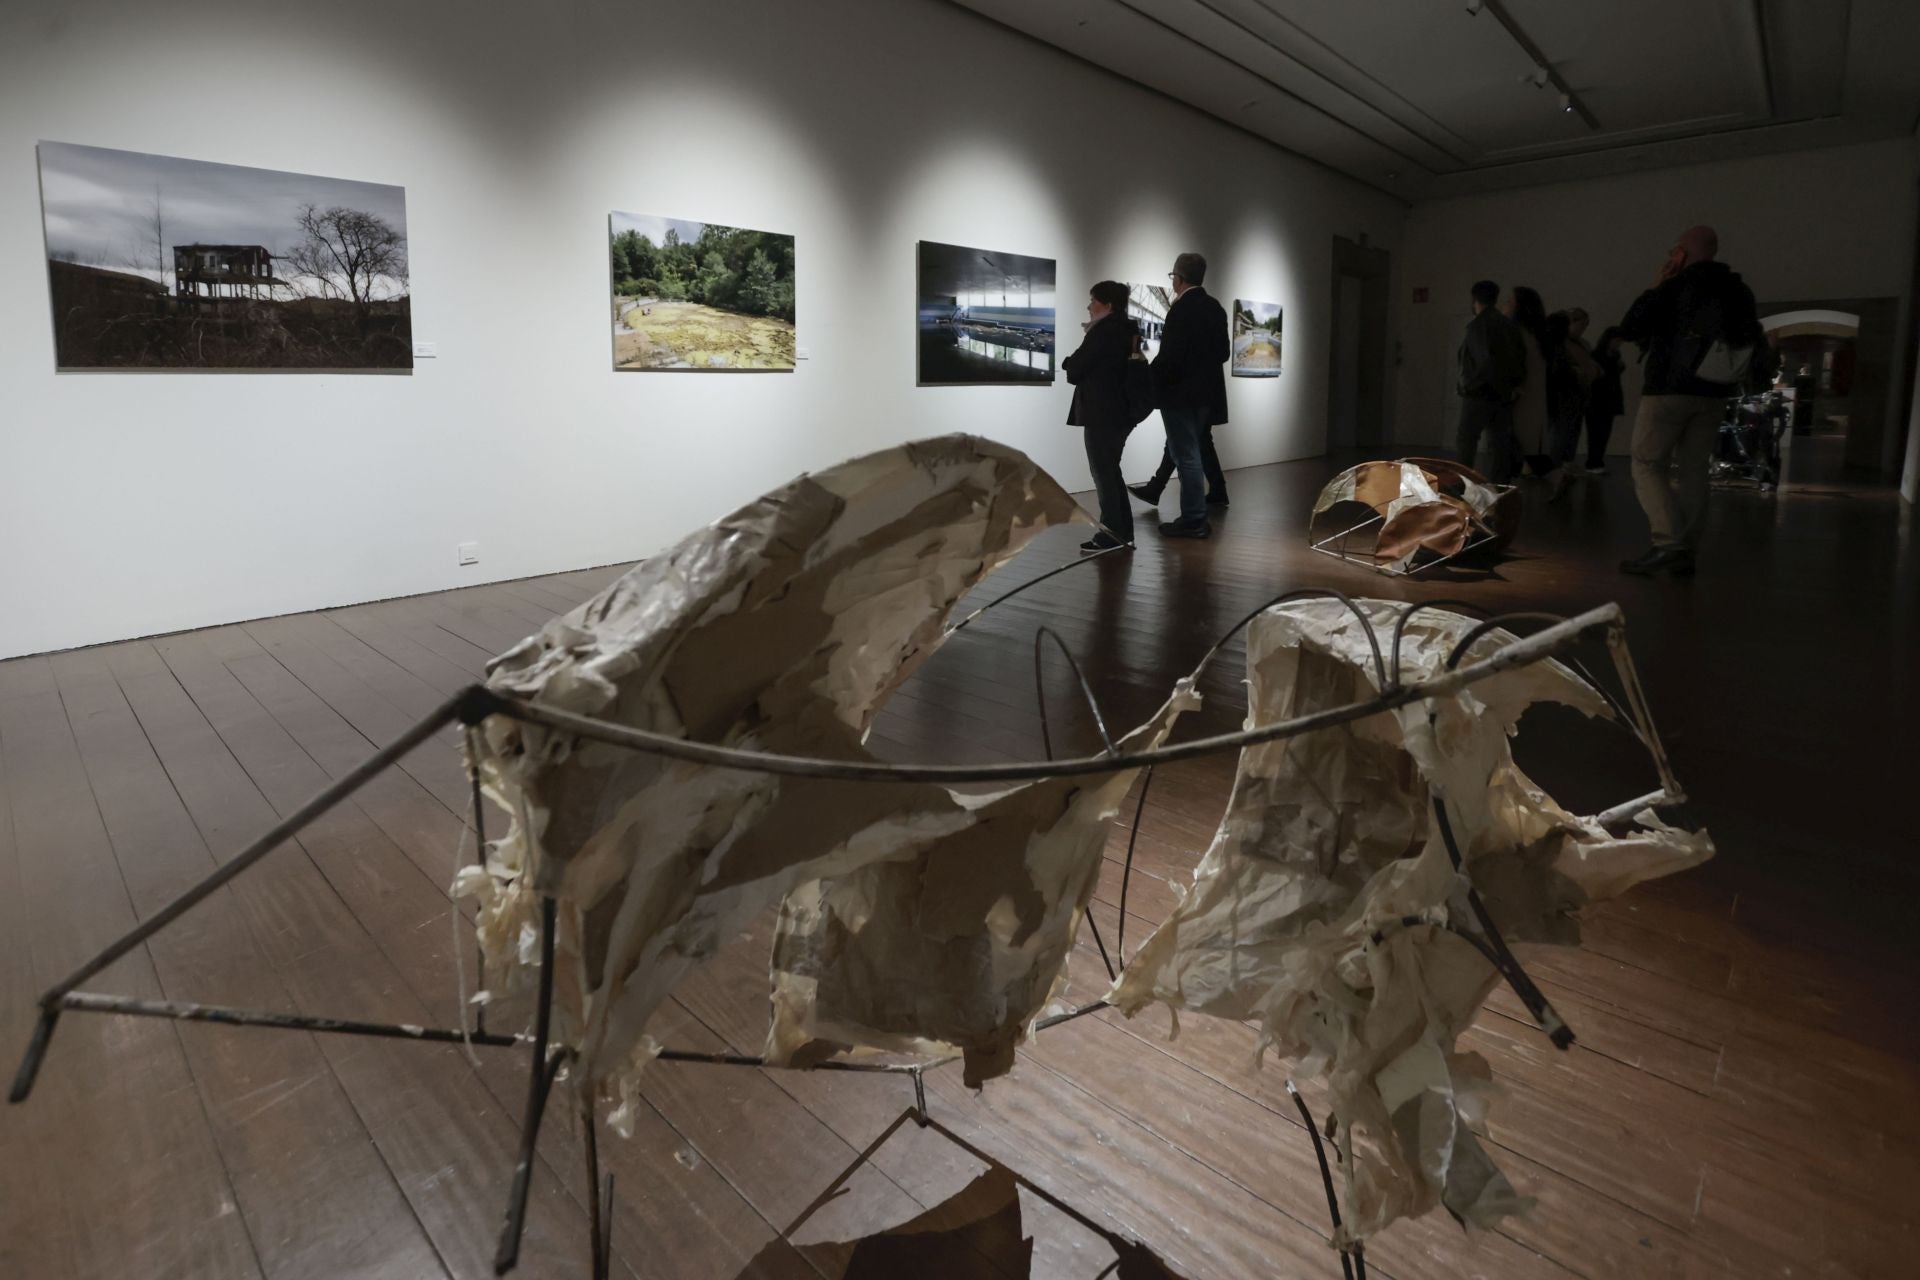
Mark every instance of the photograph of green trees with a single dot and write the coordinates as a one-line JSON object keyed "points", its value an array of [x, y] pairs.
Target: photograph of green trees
{"points": [[698, 296]]}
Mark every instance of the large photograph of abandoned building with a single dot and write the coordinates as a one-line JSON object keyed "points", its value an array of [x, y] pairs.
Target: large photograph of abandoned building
{"points": [[156, 262]]}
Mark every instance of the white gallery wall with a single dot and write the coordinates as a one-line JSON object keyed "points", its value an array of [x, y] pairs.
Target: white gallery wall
{"points": [[136, 503], [1798, 226]]}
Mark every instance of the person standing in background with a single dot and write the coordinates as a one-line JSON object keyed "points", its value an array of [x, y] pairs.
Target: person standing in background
{"points": [[1572, 374], [1531, 421], [1605, 400], [1699, 332], [1190, 389], [1492, 366], [1098, 372]]}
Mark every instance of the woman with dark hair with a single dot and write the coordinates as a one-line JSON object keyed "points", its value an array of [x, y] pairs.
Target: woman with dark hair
{"points": [[1546, 369], [1605, 400], [1098, 372]]}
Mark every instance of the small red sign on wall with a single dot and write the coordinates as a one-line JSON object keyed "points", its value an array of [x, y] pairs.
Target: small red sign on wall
{"points": [[1420, 294]]}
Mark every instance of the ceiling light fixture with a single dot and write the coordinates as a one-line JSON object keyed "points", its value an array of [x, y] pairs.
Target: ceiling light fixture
{"points": [[1474, 7], [1566, 103]]}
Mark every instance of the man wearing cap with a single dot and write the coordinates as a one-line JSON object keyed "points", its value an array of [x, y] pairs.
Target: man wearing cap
{"points": [[1190, 390]]}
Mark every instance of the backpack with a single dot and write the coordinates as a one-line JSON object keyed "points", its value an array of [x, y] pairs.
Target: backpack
{"points": [[1137, 390], [1715, 355]]}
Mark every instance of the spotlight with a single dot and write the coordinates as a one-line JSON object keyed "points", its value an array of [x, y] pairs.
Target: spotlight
{"points": [[1474, 7], [1566, 102], [1536, 77]]}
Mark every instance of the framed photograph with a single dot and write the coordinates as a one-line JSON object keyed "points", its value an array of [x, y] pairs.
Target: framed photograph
{"points": [[984, 317], [1256, 339], [1147, 307], [154, 262], [700, 297]]}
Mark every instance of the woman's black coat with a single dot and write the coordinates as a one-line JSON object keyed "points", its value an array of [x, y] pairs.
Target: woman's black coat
{"points": [[1098, 372]]}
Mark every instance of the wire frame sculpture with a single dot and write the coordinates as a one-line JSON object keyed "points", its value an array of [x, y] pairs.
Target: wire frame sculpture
{"points": [[947, 475], [474, 705], [1427, 512]]}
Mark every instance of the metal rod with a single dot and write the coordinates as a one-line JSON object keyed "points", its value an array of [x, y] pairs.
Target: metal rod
{"points": [[1541, 644], [187, 1011], [1055, 1020], [36, 1053], [1493, 624], [1086, 691], [1366, 625], [599, 1208], [1326, 1173], [441, 716], [747, 1060], [866, 1154], [479, 860], [1098, 941], [540, 1074], [1502, 956], [1631, 808], [1113, 1238], [1031, 582], [1406, 616], [1126, 868], [1642, 713]]}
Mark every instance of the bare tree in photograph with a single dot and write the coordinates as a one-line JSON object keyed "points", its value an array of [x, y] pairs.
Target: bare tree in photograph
{"points": [[346, 252], [155, 225]]}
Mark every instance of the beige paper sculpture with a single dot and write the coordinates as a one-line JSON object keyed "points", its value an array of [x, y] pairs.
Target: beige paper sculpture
{"points": [[1428, 510], [958, 947], [1296, 913], [916, 919], [781, 628]]}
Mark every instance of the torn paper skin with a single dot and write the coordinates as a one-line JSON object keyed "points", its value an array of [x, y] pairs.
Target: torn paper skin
{"points": [[1329, 838], [781, 629], [1426, 505], [958, 948]]}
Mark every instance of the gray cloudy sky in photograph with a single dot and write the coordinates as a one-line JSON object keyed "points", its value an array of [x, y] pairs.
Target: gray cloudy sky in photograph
{"points": [[98, 205]]}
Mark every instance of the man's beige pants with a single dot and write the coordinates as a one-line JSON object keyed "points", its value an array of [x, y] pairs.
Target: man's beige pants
{"points": [[1671, 429]]}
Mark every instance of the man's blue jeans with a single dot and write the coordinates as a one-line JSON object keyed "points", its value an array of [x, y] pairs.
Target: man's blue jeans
{"points": [[1183, 442]]}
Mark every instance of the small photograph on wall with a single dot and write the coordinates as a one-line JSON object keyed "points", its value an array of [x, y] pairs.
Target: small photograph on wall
{"points": [[1256, 339], [1147, 307], [985, 317], [700, 297], [155, 262]]}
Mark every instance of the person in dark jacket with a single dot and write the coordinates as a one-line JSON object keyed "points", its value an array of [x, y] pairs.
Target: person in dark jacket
{"points": [[1190, 390], [1493, 364], [1605, 400], [1697, 308], [1098, 372]]}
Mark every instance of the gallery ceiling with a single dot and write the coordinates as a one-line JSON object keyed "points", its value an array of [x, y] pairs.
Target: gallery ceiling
{"points": [[1426, 98]]}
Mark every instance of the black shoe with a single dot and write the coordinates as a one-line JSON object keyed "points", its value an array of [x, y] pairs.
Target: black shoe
{"points": [[1216, 497], [1675, 560], [1101, 542], [1180, 529], [1148, 493]]}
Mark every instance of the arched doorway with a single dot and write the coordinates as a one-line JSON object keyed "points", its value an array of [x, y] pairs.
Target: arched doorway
{"points": [[1837, 355]]}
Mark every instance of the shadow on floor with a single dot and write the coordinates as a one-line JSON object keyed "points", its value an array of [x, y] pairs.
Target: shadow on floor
{"points": [[977, 1234]]}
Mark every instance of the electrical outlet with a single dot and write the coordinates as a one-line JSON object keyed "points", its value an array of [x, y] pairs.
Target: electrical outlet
{"points": [[469, 552], [426, 350]]}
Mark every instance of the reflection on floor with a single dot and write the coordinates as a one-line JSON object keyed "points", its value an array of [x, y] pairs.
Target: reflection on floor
{"points": [[1744, 1098]]}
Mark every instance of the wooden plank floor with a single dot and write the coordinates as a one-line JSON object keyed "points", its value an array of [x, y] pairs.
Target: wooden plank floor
{"points": [[1744, 1099]]}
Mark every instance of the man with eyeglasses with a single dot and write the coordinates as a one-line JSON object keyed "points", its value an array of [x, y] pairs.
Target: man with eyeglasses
{"points": [[1190, 390]]}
